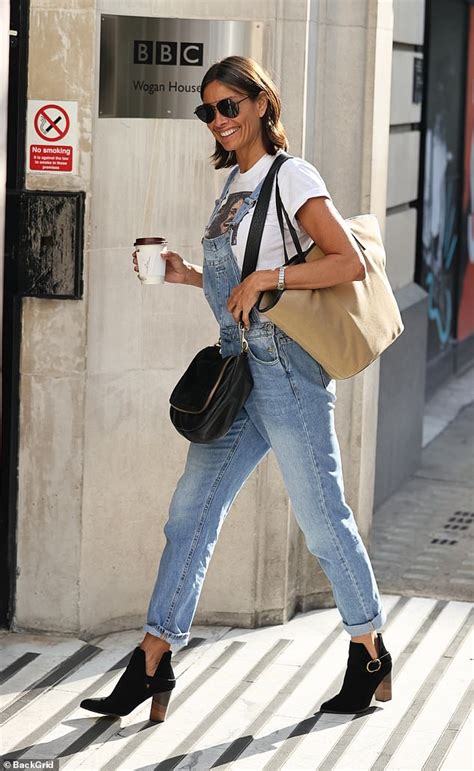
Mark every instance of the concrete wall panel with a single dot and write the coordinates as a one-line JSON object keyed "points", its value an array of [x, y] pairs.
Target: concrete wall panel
{"points": [[130, 456], [400, 246], [403, 109], [208, 9], [409, 21], [54, 339], [342, 117], [136, 327], [139, 181], [49, 503], [403, 167]]}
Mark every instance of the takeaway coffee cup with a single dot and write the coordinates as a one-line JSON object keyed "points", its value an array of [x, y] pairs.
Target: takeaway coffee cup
{"points": [[151, 265]]}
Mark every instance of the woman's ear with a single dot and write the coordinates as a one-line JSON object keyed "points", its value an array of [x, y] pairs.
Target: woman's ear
{"points": [[262, 103]]}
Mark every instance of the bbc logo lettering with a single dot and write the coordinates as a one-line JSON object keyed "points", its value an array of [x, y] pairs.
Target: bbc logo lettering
{"points": [[192, 54], [143, 52], [166, 52]]}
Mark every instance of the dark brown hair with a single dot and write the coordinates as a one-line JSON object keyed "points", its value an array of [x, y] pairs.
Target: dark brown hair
{"points": [[249, 78]]}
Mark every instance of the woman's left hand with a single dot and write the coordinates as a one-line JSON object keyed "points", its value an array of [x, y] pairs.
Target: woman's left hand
{"points": [[242, 299]]}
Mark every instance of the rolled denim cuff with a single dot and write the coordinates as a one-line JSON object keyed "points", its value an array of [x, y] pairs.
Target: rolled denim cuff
{"points": [[375, 625], [176, 640]]}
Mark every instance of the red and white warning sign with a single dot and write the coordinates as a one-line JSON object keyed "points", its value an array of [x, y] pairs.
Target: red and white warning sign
{"points": [[52, 136]]}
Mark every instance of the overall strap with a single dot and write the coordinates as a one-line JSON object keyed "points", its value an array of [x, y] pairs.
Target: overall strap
{"points": [[225, 190], [228, 182], [249, 201], [254, 237]]}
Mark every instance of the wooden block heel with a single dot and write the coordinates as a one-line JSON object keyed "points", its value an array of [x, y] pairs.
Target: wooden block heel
{"points": [[159, 706], [383, 692]]}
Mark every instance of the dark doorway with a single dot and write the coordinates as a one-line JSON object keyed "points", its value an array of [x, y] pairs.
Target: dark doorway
{"points": [[440, 258]]}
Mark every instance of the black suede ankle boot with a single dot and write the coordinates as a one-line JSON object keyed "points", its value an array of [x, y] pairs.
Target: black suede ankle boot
{"points": [[364, 677], [135, 687]]}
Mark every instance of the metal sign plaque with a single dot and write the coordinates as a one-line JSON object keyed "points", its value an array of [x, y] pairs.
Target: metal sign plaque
{"points": [[152, 68]]}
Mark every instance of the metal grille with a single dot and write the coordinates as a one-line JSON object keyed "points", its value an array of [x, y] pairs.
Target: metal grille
{"points": [[459, 521]]}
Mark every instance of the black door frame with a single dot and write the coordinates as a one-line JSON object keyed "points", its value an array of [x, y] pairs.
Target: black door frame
{"points": [[11, 343]]}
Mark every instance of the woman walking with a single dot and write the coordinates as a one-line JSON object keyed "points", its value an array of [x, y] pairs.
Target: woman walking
{"points": [[290, 409]]}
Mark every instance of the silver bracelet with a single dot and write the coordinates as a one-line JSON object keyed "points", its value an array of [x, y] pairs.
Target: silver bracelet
{"points": [[281, 278]]}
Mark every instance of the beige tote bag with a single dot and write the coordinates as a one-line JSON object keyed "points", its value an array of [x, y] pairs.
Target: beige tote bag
{"points": [[347, 326]]}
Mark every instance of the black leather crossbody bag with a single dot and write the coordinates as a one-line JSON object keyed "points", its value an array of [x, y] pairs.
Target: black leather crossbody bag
{"points": [[208, 397]]}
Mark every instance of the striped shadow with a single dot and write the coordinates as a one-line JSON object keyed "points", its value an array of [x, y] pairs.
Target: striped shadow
{"points": [[139, 737], [16, 665], [305, 726], [238, 746], [183, 750], [234, 750], [52, 678], [359, 721], [29, 741], [421, 696], [32, 739], [450, 733], [100, 726]]}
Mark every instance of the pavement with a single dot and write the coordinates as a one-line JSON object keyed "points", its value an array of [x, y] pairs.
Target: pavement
{"points": [[422, 540], [249, 698]]}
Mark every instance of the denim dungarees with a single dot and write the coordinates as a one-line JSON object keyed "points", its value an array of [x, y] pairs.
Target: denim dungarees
{"points": [[291, 411]]}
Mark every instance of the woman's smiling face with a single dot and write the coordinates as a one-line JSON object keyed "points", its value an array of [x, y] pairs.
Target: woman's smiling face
{"points": [[239, 133]]}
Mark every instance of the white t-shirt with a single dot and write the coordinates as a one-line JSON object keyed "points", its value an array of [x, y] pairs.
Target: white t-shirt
{"points": [[298, 181]]}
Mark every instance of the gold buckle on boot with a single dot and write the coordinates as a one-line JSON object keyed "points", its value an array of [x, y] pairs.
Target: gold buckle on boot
{"points": [[373, 661], [376, 661]]}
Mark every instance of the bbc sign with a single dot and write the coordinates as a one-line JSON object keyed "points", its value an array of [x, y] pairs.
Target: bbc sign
{"points": [[168, 53], [153, 68]]}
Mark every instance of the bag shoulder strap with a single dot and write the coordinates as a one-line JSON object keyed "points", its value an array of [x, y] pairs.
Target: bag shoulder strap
{"points": [[254, 237], [281, 211]]}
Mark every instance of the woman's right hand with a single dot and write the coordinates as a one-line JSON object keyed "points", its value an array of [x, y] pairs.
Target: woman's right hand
{"points": [[176, 269]]}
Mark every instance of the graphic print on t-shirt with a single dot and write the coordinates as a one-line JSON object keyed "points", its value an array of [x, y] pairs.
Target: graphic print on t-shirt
{"points": [[225, 215]]}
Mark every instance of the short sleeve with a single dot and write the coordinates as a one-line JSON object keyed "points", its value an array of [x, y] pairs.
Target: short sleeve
{"points": [[299, 181]]}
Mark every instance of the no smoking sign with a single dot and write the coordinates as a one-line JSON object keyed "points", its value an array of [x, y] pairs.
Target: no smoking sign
{"points": [[52, 136], [51, 122]]}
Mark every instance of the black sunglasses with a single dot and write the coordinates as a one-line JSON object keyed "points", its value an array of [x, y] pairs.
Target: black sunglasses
{"points": [[229, 108]]}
